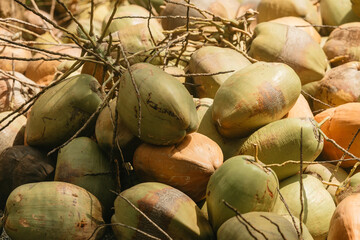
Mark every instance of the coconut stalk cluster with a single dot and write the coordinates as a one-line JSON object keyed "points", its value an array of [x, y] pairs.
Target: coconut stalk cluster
{"points": [[179, 119]]}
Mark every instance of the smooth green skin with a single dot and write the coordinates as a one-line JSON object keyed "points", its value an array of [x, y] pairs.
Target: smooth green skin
{"points": [[317, 202], [272, 9], [235, 230], [229, 146], [306, 234], [104, 129], [211, 59], [136, 39], [168, 111], [82, 162], [337, 12], [242, 183], [253, 97], [280, 141], [62, 110], [52, 210], [275, 42], [170, 209]]}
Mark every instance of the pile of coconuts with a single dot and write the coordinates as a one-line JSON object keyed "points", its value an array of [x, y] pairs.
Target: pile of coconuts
{"points": [[182, 119]]}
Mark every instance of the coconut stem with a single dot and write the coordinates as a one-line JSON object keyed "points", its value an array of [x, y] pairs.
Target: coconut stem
{"points": [[323, 121]]}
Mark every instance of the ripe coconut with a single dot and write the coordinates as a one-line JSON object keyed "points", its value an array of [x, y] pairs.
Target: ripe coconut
{"points": [[43, 72], [243, 183], [245, 102], [339, 86], [186, 166], [318, 205], [276, 42], [301, 109], [341, 127], [21, 165], [345, 223], [281, 141], [16, 90], [342, 45], [210, 59], [164, 102], [13, 134], [173, 211], [52, 210]]}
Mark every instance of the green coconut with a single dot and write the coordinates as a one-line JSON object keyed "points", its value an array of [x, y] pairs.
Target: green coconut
{"points": [[291, 218], [52, 210], [229, 146], [259, 224], [275, 42], [168, 111], [326, 172], [123, 23], [171, 210], [211, 59], [280, 141], [244, 184], [272, 9], [82, 162], [62, 110], [337, 12], [309, 91], [348, 187], [318, 205], [246, 102], [104, 129]]}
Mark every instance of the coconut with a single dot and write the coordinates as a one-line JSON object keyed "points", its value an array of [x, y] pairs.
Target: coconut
{"points": [[272, 9], [356, 7], [83, 163], [62, 110], [168, 112], [300, 23], [245, 102], [104, 129], [310, 91], [275, 42], [244, 184], [157, 4], [345, 222], [202, 106], [348, 187], [281, 141], [342, 45], [171, 210], [339, 86], [326, 172], [38, 211], [21, 165], [13, 134], [11, 51], [43, 72], [186, 166], [172, 70], [16, 90], [301, 109], [34, 19], [341, 127], [318, 205], [337, 12], [270, 225]]}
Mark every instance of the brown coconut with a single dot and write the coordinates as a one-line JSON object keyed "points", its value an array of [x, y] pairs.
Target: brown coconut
{"points": [[15, 90], [342, 126], [301, 24], [186, 166], [301, 109], [342, 45], [14, 133], [339, 86], [345, 222], [43, 72]]}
